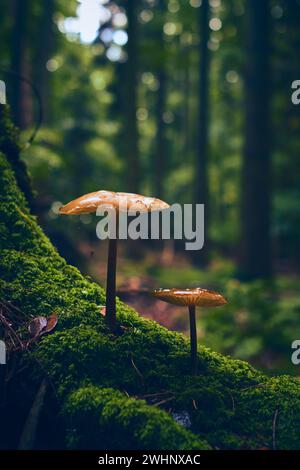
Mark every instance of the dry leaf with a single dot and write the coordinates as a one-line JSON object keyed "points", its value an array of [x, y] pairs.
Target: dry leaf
{"points": [[40, 325], [103, 311], [37, 325], [51, 323]]}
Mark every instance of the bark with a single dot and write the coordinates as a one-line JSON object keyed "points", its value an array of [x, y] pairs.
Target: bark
{"points": [[255, 259], [131, 87], [161, 147], [161, 150], [202, 192], [187, 96], [21, 100], [44, 54]]}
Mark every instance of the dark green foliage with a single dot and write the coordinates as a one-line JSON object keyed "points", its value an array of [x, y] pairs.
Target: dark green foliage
{"points": [[99, 378]]}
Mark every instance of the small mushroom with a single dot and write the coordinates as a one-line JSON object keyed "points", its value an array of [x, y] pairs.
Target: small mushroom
{"points": [[191, 298], [120, 202]]}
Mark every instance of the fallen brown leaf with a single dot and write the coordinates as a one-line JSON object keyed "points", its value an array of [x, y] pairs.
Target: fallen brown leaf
{"points": [[51, 323], [37, 325], [103, 311]]}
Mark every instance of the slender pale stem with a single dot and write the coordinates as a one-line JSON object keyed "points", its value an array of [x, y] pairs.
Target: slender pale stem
{"points": [[193, 335], [111, 281]]}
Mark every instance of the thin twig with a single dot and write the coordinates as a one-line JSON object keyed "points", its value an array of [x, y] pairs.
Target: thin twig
{"points": [[49, 378], [149, 395], [274, 428], [11, 339], [233, 403], [11, 306], [164, 401], [195, 405], [137, 370], [253, 386], [9, 327]]}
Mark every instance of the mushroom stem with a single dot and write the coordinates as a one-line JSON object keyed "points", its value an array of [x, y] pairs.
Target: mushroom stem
{"points": [[111, 281], [193, 335]]}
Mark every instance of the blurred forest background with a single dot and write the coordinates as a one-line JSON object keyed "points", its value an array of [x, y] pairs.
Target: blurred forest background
{"points": [[186, 100]]}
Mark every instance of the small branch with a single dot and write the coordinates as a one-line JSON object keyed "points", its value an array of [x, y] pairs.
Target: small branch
{"points": [[49, 378], [10, 306], [274, 428], [9, 327], [11, 339], [156, 394], [164, 401], [232, 400], [253, 386], [137, 370]]}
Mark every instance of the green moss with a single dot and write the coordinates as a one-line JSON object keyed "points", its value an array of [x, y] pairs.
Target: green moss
{"points": [[100, 379], [10, 146], [107, 419]]}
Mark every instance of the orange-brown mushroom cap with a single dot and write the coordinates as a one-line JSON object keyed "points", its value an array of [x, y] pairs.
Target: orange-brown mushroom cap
{"points": [[190, 297], [120, 201]]}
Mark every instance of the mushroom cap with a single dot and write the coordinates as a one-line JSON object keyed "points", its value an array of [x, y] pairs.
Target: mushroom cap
{"points": [[189, 297], [120, 201]]}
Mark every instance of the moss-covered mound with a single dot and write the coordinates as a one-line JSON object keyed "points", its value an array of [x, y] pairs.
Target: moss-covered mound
{"points": [[99, 380]]}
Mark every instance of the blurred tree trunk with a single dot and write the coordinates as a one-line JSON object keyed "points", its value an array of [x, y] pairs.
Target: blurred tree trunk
{"points": [[255, 259], [160, 150], [131, 86], [44, 53], [20, 102], [203, 116], [186, 105]]}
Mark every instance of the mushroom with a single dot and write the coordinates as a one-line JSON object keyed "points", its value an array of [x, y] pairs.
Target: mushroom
{"points": [[120, 202], [191, 298]]}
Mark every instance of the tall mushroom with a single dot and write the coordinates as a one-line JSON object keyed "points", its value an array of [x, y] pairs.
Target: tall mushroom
{"points": [[191, 298], [120, 202]]}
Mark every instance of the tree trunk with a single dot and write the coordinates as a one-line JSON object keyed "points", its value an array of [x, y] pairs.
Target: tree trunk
{"points": [[161, 150], [186, 106], [44, 53], [131, 129], [19, 100], [255, 261], [202, 141]]}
